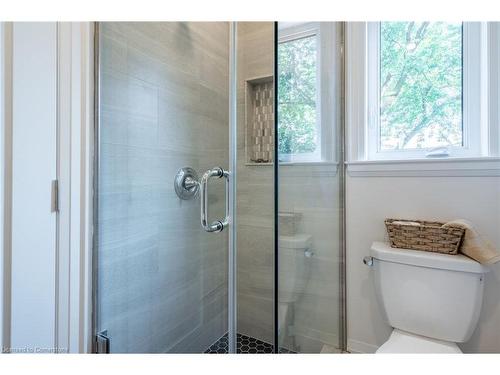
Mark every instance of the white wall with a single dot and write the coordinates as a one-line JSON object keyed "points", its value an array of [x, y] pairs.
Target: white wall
{"points": [[46, 254], [34, 167], [372, 199]]}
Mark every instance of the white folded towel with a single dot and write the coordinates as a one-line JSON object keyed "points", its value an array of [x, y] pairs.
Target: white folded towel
{"points": [[474, 245], [404, 222]]}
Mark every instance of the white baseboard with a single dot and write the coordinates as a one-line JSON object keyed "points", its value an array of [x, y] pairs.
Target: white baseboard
{"points": [[354, 346], [313, 341]]}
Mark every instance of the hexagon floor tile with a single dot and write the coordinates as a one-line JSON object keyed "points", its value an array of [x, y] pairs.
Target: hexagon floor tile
{"points": [[244, 345]]}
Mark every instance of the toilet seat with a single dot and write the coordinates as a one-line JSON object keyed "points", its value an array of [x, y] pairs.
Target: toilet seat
{"points": [[404, 342]]}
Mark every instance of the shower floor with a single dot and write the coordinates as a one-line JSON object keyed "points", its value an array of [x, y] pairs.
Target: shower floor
{"points": [[244, 345]]}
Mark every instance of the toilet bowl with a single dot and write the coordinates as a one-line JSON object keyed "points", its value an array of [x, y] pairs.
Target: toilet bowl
{"points": [[294, 266], [431, 300], [405, 342], [294, 271]]}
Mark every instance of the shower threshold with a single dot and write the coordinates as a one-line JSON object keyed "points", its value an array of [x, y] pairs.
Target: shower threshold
{"points": [[244, 345]]}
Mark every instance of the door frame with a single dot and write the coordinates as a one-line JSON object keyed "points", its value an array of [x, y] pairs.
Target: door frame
{"points": [[73, 111], [75, 164]]}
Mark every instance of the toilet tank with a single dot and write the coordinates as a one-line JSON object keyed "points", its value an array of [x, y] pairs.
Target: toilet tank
{"points": [[429, 294]]}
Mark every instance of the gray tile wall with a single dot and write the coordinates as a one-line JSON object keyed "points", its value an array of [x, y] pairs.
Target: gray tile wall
{"points": [[164, 105], [255, 196]]}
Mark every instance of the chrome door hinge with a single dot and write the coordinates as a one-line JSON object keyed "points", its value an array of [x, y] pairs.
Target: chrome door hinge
{"points": [[102, 342], [54, 204]]}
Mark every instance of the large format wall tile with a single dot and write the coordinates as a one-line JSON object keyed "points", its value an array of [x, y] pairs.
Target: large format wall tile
{"points": [[164, 105]]}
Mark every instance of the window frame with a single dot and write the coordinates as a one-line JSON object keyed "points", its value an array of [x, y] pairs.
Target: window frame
{"points": [[491, 111], [480, 120], [290, 34], [471, 73]]}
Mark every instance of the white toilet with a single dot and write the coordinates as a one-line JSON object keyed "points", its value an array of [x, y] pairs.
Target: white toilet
{"points": [[432, 300], [294, 266], [294, 271]]}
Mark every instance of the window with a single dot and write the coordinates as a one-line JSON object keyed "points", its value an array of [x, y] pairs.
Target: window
{"points": [[420, 86], [307, 109], [299, 134], [430, 90]]}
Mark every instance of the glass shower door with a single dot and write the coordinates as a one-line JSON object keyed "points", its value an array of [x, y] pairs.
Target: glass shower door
{"points": [[310, 187], [163, 120]]}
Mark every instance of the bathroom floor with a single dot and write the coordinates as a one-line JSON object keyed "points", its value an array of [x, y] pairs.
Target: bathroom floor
{"points": [[244, 345]]}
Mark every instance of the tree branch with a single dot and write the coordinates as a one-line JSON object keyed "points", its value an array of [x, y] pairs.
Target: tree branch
{"points": [[425, 120]]}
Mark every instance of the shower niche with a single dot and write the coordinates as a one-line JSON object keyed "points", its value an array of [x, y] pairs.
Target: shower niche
{"points": [[259, 120]]}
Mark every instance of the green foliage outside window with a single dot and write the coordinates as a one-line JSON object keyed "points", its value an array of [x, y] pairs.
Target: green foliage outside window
{"points": [[420, 85], [420, 88], [297, 96]]}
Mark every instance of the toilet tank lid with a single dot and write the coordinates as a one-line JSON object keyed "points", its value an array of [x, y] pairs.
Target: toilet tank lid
{"points": [[297, 241], [383, 251]]}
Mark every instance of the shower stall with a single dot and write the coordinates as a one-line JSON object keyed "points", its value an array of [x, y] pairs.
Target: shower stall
{"points": [[219, 188]]}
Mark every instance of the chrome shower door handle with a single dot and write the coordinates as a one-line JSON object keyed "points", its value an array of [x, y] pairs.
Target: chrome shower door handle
{"points": [[217, 225]]}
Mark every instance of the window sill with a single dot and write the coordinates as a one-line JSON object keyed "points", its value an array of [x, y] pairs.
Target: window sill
{"points": [[303, 169], [308, 169], [450, 167], [307, 163], [294, 163]]}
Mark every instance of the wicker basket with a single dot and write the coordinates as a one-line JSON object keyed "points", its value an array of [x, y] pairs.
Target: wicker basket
{"points": [[428, 236]]}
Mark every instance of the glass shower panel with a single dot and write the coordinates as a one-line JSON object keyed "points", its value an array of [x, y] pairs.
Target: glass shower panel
{"points": [[163, 105], [310, 184], [255, 188]]}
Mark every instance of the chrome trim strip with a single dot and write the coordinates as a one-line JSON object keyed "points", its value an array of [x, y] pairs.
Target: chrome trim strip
{"points": [[342, 206], [231, 189], [95, 178], [276, 194]]}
